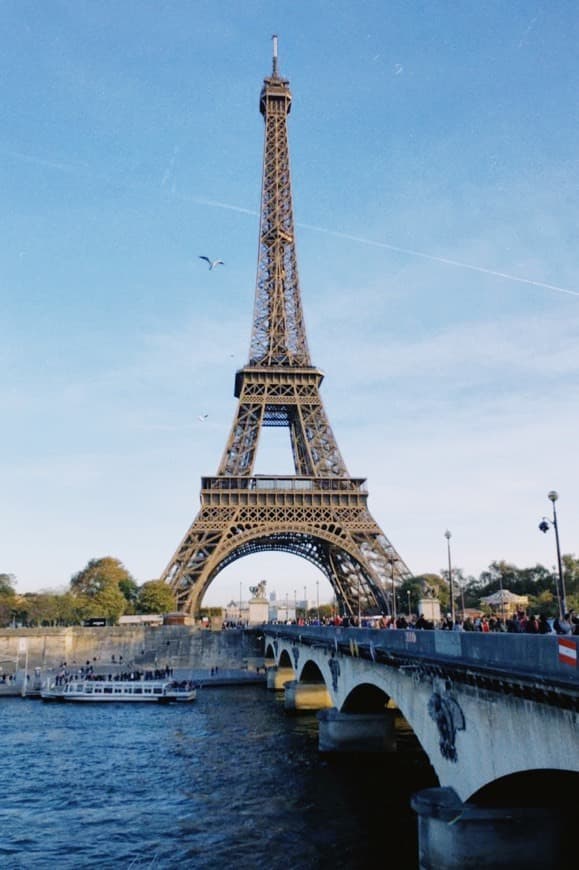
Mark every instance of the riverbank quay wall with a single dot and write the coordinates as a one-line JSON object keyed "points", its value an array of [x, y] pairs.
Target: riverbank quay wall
{"points": [[181, 646]]}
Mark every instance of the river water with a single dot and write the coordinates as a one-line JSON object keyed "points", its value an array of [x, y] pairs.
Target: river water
{"points": [[229, 781]]}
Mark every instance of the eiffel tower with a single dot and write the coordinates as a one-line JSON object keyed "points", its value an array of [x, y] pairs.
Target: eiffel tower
{"points": [[319, 513]]}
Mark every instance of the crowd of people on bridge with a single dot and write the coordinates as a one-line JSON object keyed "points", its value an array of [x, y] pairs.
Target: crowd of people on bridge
{"points": [[520, 622]]}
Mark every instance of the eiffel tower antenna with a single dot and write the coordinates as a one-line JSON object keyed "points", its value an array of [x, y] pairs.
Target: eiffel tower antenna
{"points": [[319, 513], [274, 65]]}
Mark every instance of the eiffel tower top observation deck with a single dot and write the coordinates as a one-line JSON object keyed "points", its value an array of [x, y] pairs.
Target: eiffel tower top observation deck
{"points": [[320, 512]]}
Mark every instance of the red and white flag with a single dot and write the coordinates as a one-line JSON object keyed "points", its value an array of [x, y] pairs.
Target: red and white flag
{"points": [[567, 651]]}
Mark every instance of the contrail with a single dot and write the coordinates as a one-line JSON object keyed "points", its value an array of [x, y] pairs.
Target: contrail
{"points": [[215, 204], [51, 164], [445, 260], [408, 251], [66, 167]]}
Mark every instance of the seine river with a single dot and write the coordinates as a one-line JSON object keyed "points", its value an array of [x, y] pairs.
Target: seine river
{"points": [[229, 781]]}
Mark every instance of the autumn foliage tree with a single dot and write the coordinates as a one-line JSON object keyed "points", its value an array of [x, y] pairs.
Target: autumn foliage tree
{"points": [[7, 598], [155, 596], [98, 586]]}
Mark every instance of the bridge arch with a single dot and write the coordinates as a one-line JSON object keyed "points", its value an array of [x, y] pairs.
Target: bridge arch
{"points": [[311, 673], [366, 698], [535, 787], [285, 660]]}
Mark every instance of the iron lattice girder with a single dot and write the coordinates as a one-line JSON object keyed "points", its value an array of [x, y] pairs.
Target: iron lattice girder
{"points": [[324, 520], [279, 335], [346, 544], [319, 513], [274, 396]]}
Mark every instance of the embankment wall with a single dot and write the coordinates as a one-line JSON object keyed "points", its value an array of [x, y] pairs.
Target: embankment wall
{"points": [[180, 645]]}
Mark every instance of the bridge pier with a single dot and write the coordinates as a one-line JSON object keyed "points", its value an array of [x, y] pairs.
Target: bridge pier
{"points": [[356, 732], [453, 835], [277, 677], [306, 696]]}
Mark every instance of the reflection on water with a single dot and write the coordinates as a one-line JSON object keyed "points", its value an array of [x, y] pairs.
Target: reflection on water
{"points": [[228, 781]]}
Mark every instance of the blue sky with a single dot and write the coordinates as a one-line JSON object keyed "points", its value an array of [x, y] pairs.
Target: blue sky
{"points": [[423, 136]]}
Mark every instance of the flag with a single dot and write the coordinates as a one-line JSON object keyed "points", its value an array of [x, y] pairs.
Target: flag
{"points": [[567, 651]]}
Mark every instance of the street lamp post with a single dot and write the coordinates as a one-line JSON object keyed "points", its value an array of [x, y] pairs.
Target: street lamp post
{"points": [[448, 536], [544, 526], [318, 598], [240, 600], [502, 597], [393, 590], [408, 594]]}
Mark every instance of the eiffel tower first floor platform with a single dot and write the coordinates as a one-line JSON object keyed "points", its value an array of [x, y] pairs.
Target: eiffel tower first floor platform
{"points": [[324, 520]]}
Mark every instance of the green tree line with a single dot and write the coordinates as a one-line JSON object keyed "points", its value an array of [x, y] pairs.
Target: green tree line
{"points": [[538, 583], [105, 588]]}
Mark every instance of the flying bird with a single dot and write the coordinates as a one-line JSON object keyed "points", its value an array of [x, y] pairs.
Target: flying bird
{"points": [[212, 263], [203, 417]]}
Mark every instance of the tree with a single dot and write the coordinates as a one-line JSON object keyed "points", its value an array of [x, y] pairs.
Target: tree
{"points": [[38, 609], [98, 574], [130, 590], [155, 596], [7, 583], [109, 602], [571, 577], [412, 590], [8, 599], [98, 588]]}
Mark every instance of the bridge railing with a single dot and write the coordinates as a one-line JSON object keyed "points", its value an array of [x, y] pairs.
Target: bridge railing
{"points": [[550, 660]]}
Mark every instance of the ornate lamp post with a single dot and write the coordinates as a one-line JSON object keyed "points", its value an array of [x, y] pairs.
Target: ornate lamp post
{"points": [[318, 598], [448, 536], [544, 526]]}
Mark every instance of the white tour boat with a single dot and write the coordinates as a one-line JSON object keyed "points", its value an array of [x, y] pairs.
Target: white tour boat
{"points": [[134, 691]]}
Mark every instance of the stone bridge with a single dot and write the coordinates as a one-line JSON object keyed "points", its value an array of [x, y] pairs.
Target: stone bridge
{"points": [[496, 714]]}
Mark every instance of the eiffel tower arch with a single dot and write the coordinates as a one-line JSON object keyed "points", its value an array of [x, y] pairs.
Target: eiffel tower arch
{"points": [[319, 513]]}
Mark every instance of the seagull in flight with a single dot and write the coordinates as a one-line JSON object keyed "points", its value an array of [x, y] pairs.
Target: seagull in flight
{"points": [[203, 417], [212, 263]]}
